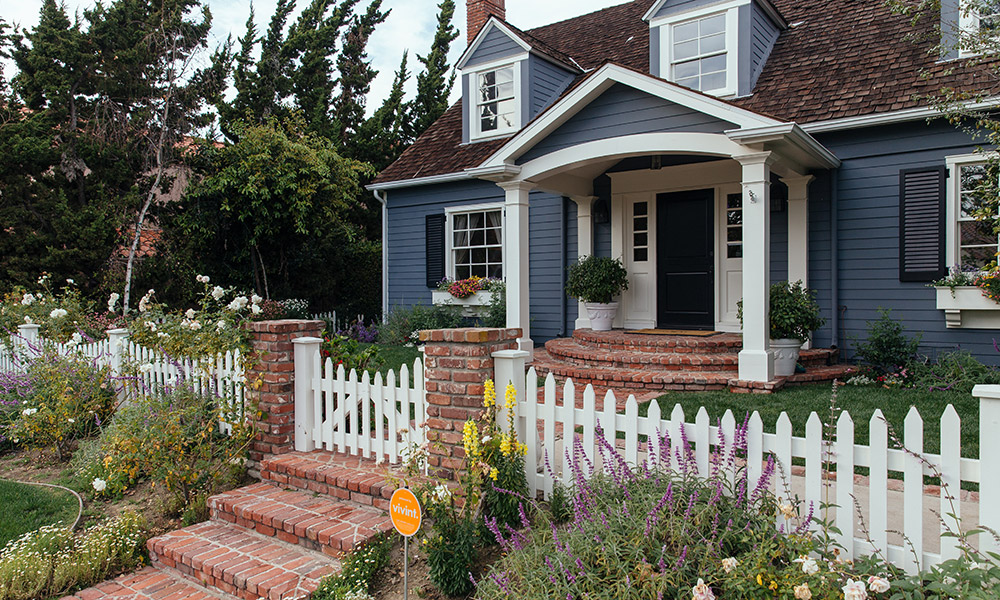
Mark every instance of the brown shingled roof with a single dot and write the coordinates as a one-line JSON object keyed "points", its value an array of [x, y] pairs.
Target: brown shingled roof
{"points": [[840, 58]]}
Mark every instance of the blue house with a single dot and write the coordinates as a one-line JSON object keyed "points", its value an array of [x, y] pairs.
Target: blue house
{"points": [[713, 146]]}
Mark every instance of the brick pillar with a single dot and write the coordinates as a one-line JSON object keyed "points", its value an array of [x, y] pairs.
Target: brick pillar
{"points": [[275, 371], [457, 364]]}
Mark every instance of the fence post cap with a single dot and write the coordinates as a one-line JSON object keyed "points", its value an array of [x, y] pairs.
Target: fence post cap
{"points": [[119, 331], [307, 340], [29, 327], [982, 390], [511, 354]]}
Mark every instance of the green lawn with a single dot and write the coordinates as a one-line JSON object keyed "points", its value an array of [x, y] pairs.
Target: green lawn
{"points": [[394, 357], [28, 507], [860, 401]]}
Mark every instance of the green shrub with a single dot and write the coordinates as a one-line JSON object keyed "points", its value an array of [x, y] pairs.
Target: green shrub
{"points": [[887, 349], [793, 311], [451, 552], [350, 353], [596, 279], [358, 568], [496, 314], [957, 371], [63, 399], [51, 561], [403, 323], [59, 314]]}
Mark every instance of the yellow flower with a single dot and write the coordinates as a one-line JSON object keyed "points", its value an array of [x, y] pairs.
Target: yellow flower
{"points": [[470, 437], [494, 473], [511, 397], [489, 394], [505, 444], [760, 580]]}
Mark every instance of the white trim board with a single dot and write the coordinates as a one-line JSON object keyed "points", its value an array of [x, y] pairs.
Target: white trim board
{"points": [[491, 23]]}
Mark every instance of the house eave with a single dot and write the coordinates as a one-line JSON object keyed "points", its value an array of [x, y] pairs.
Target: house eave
{"points": [[788, 138], [418, 181], [890, 118]]}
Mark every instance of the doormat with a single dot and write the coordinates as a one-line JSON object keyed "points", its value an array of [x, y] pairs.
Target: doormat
{"points": [[690, 332]]}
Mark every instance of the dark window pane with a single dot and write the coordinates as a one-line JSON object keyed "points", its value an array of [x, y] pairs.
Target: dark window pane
{"points": [[461, 238], [640, 209], [976, 233], [480, 270], [478, 255], [478, 238], [735, 251], [496, 272], [642, 239], [477, 220], [734, 217], [734, 201], [461, 257], [462, 272], [734, 234], [641, 224], [461, 221], [495, 255], [640, 254], [978, 257], [493, 237]]}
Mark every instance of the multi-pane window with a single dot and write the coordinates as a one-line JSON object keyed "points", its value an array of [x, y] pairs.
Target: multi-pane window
{"points": [[497, 103], [477, 243], [979, 26], [734, 226], [977, 239], [698, 56], [640, 232]]}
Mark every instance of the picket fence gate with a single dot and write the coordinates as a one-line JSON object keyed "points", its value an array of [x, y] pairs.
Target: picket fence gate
{"points": [[370, 417], [222, 377], [637, 437]]}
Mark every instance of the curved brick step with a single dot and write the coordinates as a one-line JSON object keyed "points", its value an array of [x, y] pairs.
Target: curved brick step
{"points": [[149, 583], [569, 351], [638, 379], [241, 563], [619, 340], [312, 521], [337, 475]]}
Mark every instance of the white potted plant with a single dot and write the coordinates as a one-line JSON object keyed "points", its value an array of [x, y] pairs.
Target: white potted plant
{"points": [[794, 315], [596, 281]]}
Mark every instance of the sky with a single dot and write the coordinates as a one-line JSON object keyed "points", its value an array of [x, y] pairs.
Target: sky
{"points": [[410, 25]]}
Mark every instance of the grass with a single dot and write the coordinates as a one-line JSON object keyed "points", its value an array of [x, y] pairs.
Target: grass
{"points": [[28, 507], [860, 401], [395, 356]]}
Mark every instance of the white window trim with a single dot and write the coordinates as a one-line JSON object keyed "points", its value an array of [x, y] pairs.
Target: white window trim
{"points": [[667, 24], [449, 233], [968, 26], [952, 207], [475, 134]]}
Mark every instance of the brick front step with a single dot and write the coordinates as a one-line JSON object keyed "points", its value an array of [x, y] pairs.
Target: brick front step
{"points": [[336, 475], [315, 522], [150, 583], [620, 341], [626, 380], [241, 563], [570, 351]]}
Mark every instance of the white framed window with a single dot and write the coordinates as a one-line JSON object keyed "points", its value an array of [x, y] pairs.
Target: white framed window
{"points": [[497, 95], [971, 242], [698, 49], [976, 19], [475, 241]]}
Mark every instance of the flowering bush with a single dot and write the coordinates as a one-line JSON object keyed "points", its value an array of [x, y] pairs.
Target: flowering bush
{"points": [[464, 288], [60, 314], [345, 351], [958, 275], [60, 400], [358, 569], [171, 437], [51, 561], [358, 331], [989, 283]]}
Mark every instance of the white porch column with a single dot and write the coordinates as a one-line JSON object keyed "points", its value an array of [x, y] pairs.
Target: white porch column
{"points": [[515, 260], [756, 358], [798, 228], [584, 244]]}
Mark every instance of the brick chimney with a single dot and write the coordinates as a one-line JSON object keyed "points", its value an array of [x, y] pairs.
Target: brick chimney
{"points": [[480, 12]]}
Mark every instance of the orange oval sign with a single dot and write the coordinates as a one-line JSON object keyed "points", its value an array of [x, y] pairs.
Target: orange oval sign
{"points": [[404, 510]]}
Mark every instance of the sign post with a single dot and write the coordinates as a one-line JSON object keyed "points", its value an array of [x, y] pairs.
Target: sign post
{"points": [[404, 510]]}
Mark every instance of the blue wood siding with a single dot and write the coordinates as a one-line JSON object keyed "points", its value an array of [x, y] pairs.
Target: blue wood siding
{"points": [[548, 81], [765, 34], [868, 221], [495, 46], [407, 262], [620, 111], [779, 246]]}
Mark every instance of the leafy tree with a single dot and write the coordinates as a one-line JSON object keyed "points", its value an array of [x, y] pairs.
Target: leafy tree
{"points": [[274, 205], [434, 84]]}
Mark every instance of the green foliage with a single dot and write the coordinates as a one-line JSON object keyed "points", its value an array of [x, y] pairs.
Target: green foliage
{"points": [[496, 315], [886, 348], [403, 323], [793, 309], [956, 371], [171, 437], [51, 561], [60, 314], [359, 568], [451, 553], [596, 279], [973, 576], [28, 507], [350, 353], [67, 396]]}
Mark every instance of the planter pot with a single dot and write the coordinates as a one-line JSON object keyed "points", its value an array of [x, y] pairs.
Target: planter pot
{"points": [[601, 315], [475, 305], [967, 308], [786, 354]]}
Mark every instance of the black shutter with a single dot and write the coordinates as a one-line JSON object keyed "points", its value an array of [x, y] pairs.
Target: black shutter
{"points": [[921, 224], [435, 231]]}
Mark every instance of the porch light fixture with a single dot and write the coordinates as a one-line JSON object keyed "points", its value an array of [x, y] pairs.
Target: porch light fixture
{"points": [[602, 210], [753, 197]]}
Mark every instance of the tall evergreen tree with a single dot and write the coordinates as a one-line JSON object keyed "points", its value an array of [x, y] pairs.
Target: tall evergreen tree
{"points": [[356, 74], [382, 137], [434, 84]]}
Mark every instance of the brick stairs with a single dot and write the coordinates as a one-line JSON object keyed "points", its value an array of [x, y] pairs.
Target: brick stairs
{"points": [[275, 539], [646, 364]]}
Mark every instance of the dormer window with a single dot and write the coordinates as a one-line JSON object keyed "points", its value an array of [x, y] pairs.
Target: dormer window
{"points": [[698, 53], [498, 109]]}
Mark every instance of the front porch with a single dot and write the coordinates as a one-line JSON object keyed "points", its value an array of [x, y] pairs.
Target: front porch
{"points": [[647, 365]]}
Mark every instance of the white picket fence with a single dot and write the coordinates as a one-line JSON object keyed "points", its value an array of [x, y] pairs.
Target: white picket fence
{"points": [[538, 423], [222, 377], [371, 417]]}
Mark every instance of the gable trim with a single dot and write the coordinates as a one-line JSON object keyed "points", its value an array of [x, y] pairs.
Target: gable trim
{"points": [[492, 23], [767, 7], [602, 80]]}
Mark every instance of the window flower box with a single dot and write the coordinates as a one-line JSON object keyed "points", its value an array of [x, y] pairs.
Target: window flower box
{"points": [[474, 306], [967, 308]]}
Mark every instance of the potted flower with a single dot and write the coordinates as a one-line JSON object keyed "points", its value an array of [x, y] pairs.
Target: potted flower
{"points": [[596, 280], [794, 315]]}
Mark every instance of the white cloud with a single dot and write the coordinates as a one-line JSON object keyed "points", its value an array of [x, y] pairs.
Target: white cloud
{"points": [[410, 26]]}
